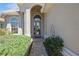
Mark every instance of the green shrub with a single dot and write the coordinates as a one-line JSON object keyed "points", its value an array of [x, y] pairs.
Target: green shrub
{"points": [[14, 45], [54, 46]]}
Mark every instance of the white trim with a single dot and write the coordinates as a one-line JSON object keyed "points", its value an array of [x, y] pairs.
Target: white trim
{"points": [[68, 52]]}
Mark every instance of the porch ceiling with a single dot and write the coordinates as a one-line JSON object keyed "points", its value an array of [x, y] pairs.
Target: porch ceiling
{"points": [[46, 7], [24, 6]]}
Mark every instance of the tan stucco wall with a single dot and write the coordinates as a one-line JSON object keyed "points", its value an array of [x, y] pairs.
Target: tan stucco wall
{"points": [[65, 18]]}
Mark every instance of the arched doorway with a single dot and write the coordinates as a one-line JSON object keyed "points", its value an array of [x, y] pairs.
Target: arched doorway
{"points": [[37, 26], [36, 22]]}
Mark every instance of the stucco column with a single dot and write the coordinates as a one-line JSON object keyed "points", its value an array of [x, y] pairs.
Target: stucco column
{"points": [[19, 26], [27, 22], [8, 24], [8, 27]]}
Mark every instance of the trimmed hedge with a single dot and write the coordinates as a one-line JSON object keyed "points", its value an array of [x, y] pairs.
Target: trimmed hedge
{"points": [[14, 45]]}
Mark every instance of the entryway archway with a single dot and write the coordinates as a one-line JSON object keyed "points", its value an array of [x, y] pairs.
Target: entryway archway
{"points": [[37, 22], [37, 26]]}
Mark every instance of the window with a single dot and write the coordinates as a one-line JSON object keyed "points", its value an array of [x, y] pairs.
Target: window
{"points": [[14, 25], [1, 25]]}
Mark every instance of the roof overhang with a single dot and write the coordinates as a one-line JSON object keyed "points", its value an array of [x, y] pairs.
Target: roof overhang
{"points": [[2, 20], [16, 13]]}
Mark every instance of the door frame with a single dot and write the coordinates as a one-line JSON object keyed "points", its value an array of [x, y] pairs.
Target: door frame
{"points": [[35, 35], [32, 24]]}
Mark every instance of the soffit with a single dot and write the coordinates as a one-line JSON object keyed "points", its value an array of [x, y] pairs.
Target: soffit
{"points": [[11, 13]]}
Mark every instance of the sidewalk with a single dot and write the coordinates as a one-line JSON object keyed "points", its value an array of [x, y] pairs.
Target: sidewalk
{"points": [[38, 48]]}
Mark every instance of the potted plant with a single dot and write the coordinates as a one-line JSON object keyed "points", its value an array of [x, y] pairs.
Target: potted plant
{"points": [[54, 46]]}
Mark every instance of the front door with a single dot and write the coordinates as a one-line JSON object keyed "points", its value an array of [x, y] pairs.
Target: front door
{"points": [[37, 26]]}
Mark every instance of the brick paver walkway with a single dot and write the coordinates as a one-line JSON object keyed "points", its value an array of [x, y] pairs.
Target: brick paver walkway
{"points": [[38, 48]]}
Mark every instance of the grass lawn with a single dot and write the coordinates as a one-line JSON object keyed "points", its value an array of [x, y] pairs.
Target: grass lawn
{"points": [[14, 45]]}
